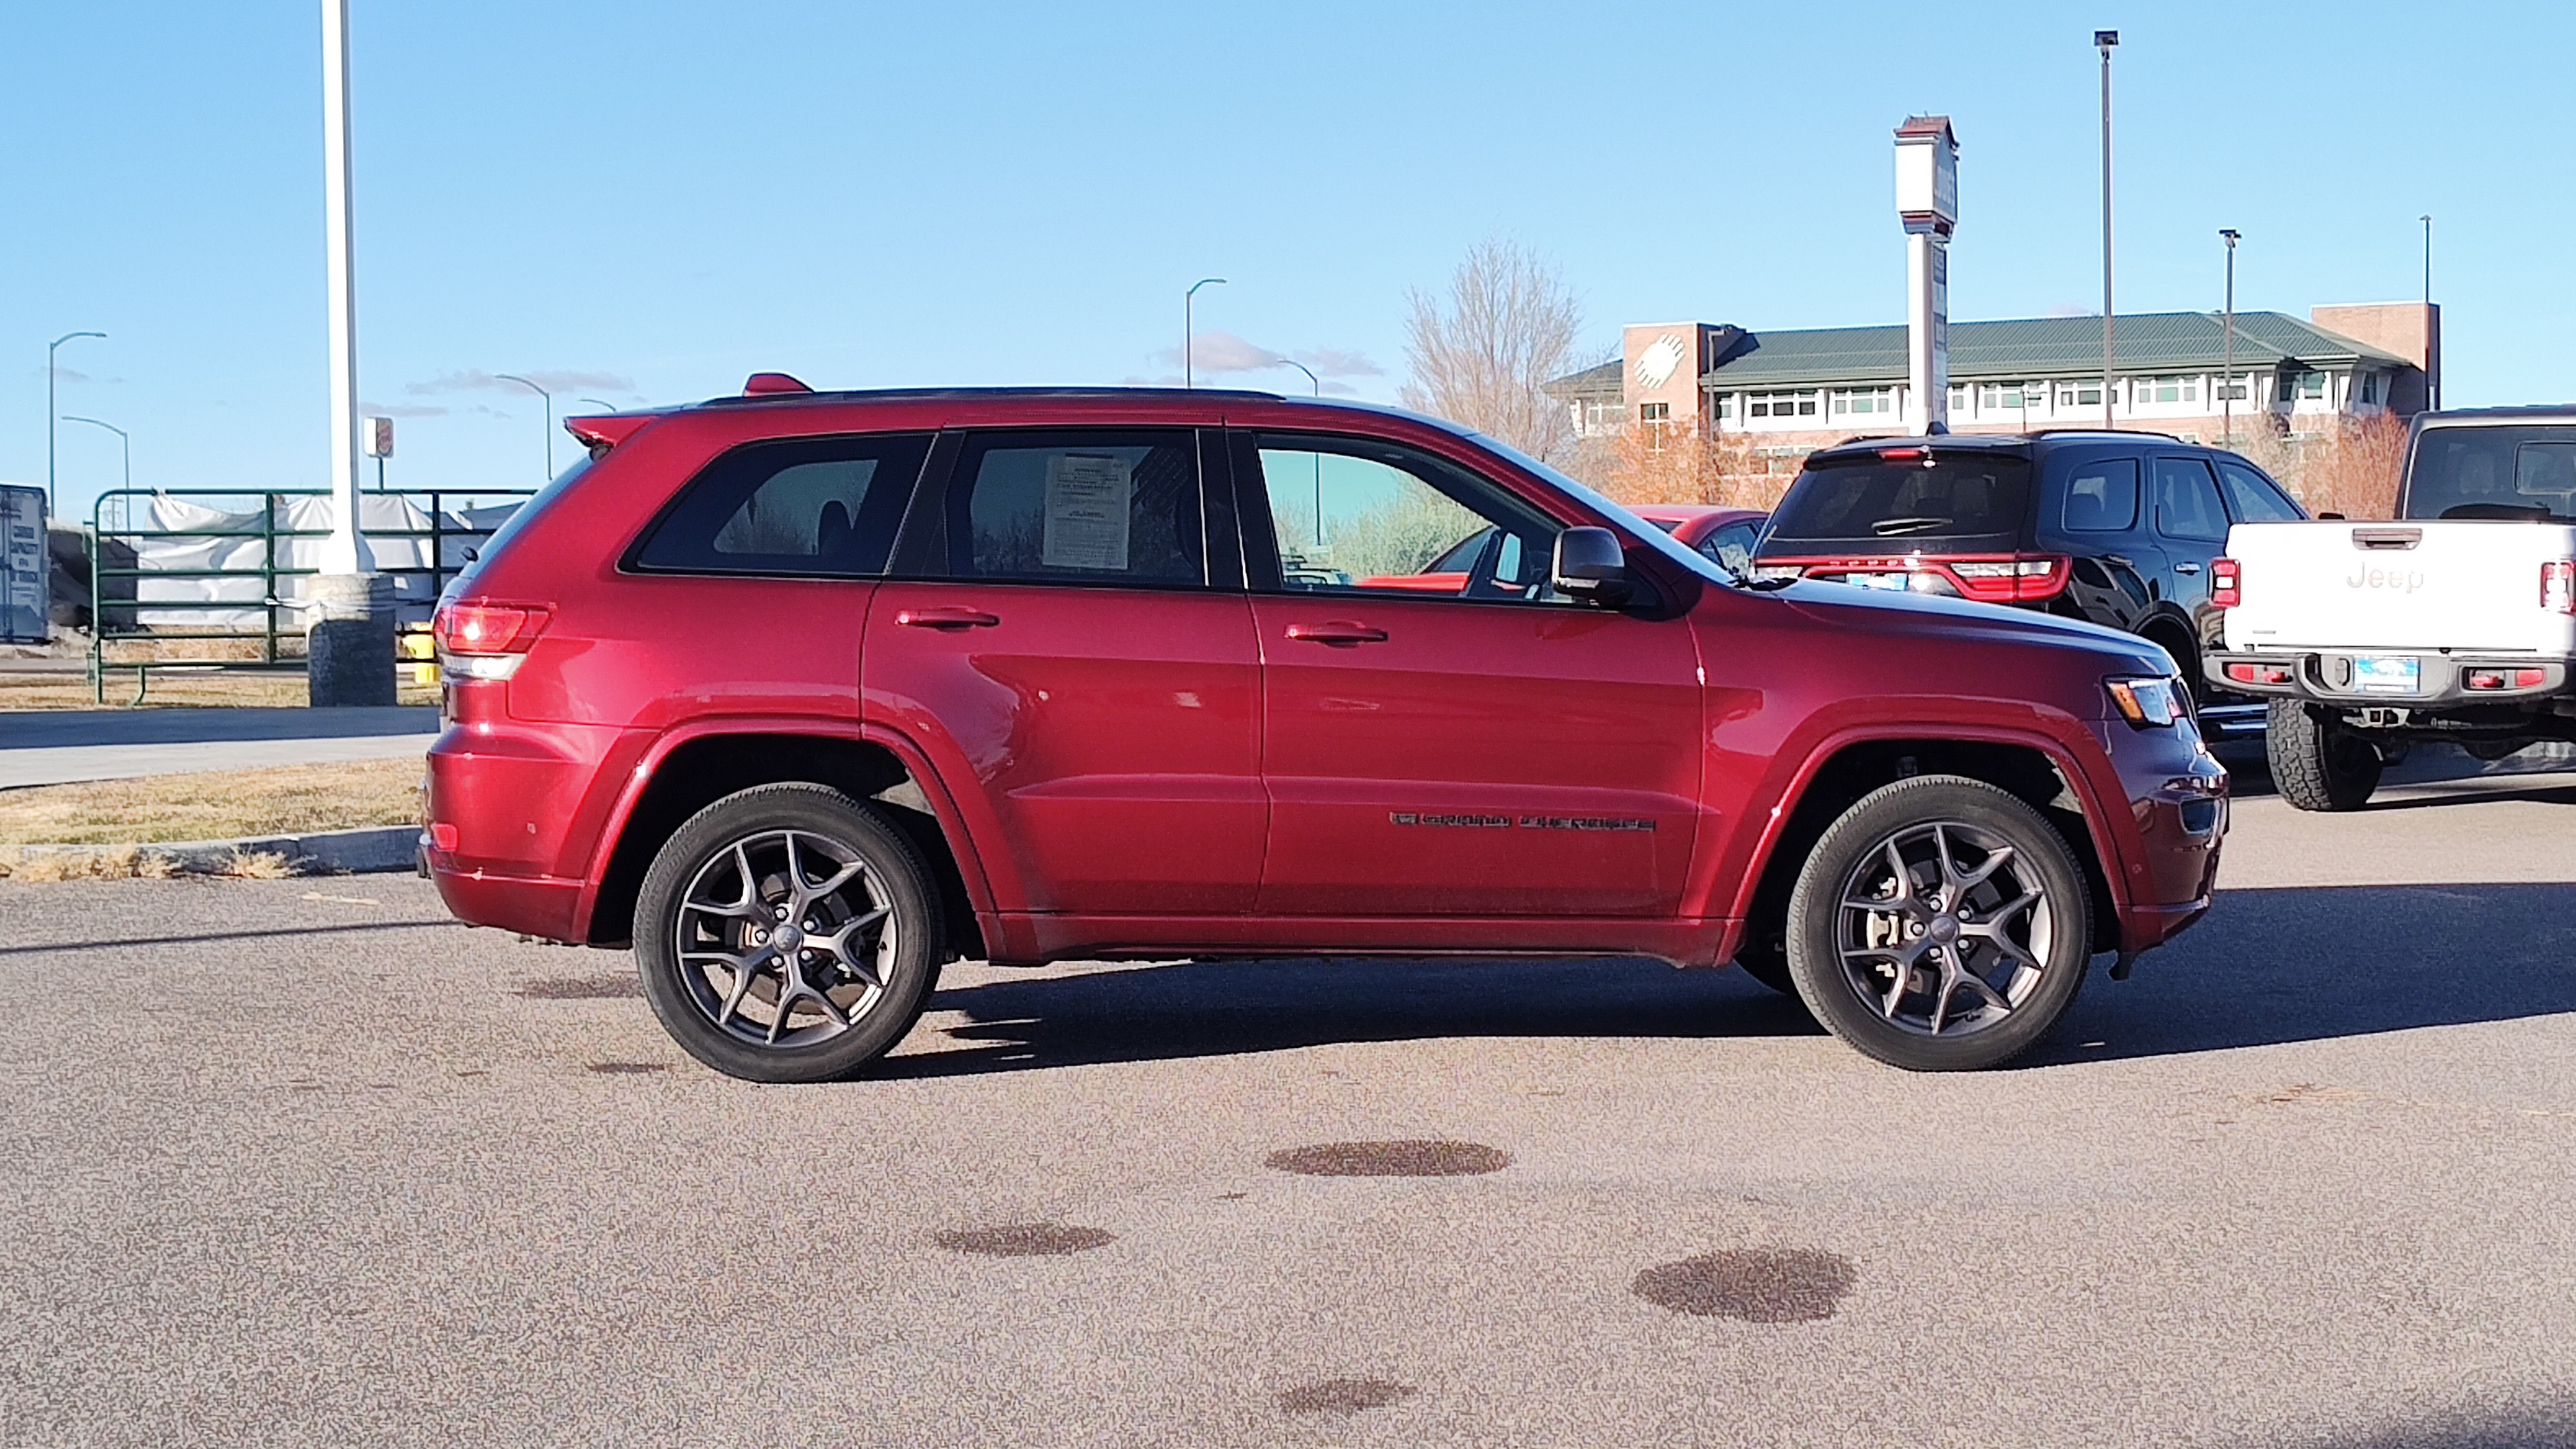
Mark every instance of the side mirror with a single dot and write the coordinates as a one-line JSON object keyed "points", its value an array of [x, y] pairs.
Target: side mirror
{"points": [[1591, 566]]}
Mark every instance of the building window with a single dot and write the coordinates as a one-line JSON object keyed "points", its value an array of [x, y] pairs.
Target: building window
{"points": [[1654, 412], [2168, 389], [1782, 405], [1864, 400], [2296, 385], [2232, 391], [1601, 415], [1958, 399], [1722, 407], [2012, 397], [2370, 387], [2082, 394]]}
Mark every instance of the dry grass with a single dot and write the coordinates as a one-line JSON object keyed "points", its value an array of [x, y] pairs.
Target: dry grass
{"points": [[124, 862], [216, 805], [173, 691]]}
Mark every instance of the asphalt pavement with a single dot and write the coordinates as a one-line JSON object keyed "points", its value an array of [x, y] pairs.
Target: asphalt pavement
{"points": [[300, 1162], [55, 747]]}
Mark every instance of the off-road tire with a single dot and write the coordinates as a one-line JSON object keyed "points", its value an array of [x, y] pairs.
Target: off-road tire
{"points": [[910, 970], [1816, 958], [2317, 763]]}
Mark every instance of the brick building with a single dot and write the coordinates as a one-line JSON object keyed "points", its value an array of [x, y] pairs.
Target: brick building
{"points": [[1789, 392]]}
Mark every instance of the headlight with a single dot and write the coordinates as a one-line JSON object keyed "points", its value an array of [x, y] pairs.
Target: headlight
{"points": [[2148, 703]]}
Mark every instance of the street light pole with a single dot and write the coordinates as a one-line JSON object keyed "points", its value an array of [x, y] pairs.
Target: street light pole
{"points": [[2104, 40], [121, 437], [1189, 326], [349, 618], [49, 409], [2227, 378], [1319, 458], [594, 402], [550, 416]]}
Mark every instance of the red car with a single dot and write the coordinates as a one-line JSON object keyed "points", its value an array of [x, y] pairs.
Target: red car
{"points": [[1727, 535], [803, 694]]}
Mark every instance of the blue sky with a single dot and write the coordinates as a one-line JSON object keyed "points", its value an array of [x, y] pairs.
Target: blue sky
{"points": [[644, 201]]}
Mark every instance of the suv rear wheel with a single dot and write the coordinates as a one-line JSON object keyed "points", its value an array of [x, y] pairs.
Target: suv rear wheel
{"points": [[2318, 763], [787, 934], [1941, 924]]}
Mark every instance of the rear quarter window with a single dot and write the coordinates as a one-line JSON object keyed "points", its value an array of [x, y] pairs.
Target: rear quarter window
{"points": [[2102, 496], [815, 506]]}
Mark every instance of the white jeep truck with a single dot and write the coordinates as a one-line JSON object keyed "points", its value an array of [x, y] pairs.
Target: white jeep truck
{"points": [[2456, 622]]}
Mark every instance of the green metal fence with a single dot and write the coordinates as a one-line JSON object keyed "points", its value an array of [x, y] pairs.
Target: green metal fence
{"points": [[119, 547]]}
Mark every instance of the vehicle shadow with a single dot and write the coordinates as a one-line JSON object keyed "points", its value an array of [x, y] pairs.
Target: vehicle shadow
{"points": [[2267, 967]]}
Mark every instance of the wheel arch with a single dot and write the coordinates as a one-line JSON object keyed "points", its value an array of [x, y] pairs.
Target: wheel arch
{"points": [[2039, 772], [686, 772]]}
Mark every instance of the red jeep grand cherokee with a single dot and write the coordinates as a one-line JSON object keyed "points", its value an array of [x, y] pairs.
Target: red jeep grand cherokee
{"points": [[804, 694]]}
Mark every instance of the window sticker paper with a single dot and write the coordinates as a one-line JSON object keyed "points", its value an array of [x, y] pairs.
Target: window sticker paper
{"points": [[1088, 499]]}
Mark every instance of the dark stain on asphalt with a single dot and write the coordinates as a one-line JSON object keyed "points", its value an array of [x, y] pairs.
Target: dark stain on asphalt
{"points": [[1419, 1157], [1344, 1396], [1024, 1240], [587, 988], [1757, 1285], [626, 1069]]}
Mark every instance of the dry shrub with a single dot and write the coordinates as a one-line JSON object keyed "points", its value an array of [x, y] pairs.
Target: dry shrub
{"points": [[260, 865], [2351, 469], [1644, 463], [111, 863]]}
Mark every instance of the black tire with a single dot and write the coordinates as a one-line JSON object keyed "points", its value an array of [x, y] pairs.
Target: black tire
{"points": [[2317, 763], [2024, 985], [874, 978]]}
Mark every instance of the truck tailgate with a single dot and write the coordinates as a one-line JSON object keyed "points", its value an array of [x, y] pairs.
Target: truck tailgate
{"points": [[2470, 587]]}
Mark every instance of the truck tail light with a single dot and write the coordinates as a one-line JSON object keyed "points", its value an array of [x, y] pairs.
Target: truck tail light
{"points": [[2259, 673], [484, 641], [2506, 678], [2226, 583], [2558, 586]]}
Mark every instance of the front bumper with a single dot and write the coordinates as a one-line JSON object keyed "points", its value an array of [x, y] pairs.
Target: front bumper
{"points": [[2176, 795], [2327, 676]]}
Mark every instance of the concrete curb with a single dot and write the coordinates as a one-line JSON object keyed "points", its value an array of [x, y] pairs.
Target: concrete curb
{"points": [[329, 852]]}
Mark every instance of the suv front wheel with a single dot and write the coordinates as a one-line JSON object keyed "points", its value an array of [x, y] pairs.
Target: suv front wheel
{"points": [[1941, 924], [787, 934]]}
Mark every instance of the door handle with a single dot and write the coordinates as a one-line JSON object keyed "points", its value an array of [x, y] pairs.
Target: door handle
{"points": [[946, 617], [1338, 634], [2186, 568]]}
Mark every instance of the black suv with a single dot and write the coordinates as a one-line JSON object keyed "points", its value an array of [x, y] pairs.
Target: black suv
{"points": [[2115, 527]]}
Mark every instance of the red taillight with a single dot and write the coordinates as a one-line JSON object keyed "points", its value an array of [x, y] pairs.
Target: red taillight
{"points": [[2506, 678], [2020, 579], [486, 628], [2258, 673], [1902, 455], [2558, 585], [2226, 583]]}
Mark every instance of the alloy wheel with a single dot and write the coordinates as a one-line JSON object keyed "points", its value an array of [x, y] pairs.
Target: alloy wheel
{"points": [[785, 938], [1943, 930]]}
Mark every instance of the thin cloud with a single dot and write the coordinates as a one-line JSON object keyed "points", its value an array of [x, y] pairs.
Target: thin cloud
{"points": [[1339, 362], [477, 380], [2072, 309], [1220, 352], [400, 410]]}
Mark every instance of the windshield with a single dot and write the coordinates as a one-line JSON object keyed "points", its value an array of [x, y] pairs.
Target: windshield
{"points": [[2526, 473], [1645, 533], [1973, 498]]}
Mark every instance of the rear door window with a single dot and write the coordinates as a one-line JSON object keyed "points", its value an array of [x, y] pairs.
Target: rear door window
{"points": [[2187, 501], [2252, 498], [2102, 496], [2498, 473], [816, 506], [1086, 506]]}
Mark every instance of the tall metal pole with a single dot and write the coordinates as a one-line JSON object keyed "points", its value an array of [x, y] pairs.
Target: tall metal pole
{"points": [[49, 410], [1189, 326], [550, 416], [1319, 458], [346, 550], [2227, 378], [122, 439], [2104, 40]]}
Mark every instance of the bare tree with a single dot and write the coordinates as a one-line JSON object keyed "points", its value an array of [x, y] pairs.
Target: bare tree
{"points": [[1483, 355]]}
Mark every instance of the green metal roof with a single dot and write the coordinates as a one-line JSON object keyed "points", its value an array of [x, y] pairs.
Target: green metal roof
{"points": [[2032, 348]]}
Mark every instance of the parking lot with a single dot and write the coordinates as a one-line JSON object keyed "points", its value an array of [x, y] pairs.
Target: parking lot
{"points": [[301, 1162]]}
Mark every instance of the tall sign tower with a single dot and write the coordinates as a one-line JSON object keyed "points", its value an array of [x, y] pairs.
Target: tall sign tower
{"points": [[1927, 201]]}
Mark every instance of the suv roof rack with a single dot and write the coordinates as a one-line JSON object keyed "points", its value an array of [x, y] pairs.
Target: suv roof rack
{"points": [[903, 394], [2104, 433]]}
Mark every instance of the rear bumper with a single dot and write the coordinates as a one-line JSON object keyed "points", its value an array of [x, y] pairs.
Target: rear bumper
{"points": [[2325, 677]]}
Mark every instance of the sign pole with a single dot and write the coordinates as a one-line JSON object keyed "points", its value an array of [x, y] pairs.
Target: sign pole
{"points": [[1927, 202], [350, 607]]}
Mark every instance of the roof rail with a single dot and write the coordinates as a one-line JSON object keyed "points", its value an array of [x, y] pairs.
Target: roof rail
{"points": [[2104, 432]]}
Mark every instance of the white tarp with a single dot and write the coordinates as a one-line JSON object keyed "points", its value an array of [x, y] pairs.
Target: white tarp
{"points": [[380, 514]]}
